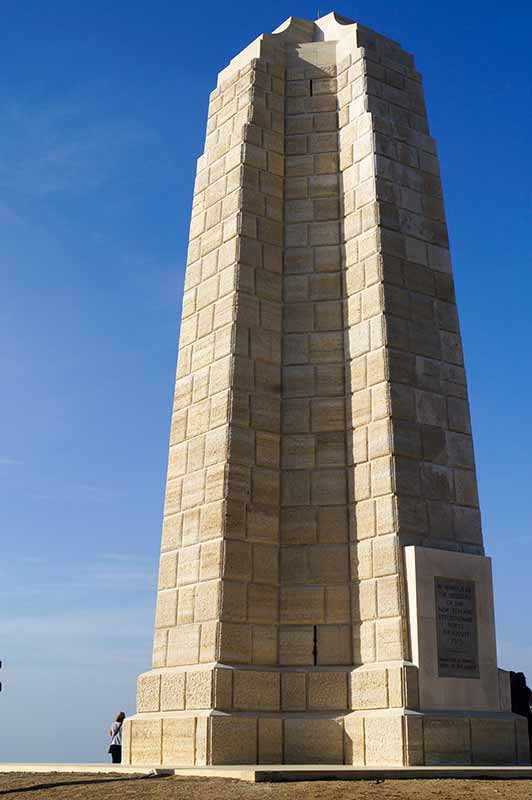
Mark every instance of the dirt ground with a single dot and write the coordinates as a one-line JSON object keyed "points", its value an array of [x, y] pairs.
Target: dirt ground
{"points": [[56, 786]]}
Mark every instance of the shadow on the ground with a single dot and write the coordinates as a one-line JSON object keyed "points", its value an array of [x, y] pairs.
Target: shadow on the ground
{"points": [[86, 782]]}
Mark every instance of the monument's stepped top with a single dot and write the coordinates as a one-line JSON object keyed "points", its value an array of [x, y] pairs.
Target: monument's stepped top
{"points": [[295, 34], [331, 27]]}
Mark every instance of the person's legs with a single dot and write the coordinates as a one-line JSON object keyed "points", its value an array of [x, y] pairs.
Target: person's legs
{"points": [[116, 753]]}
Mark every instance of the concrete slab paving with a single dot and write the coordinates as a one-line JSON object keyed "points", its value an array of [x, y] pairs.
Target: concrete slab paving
{"points": [[277, 773]]}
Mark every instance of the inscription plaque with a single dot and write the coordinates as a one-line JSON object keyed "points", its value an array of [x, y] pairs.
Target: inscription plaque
{"points": [[456, 626]]}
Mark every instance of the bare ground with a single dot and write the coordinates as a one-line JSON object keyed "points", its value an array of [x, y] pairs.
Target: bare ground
{"points": [[60, 786]]}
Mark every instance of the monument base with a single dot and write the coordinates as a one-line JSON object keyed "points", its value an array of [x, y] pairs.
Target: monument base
{"points": [[380, 738]]}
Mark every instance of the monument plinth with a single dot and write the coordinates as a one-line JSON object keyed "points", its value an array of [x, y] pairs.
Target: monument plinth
{"points": [[323, 590]]}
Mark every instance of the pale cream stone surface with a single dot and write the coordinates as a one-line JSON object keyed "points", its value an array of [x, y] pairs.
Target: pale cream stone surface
{"points": [[146, 741], [383, 740], [327, 691], [233, 740], [257, 691], [173, 691], [148, 692], [422, 566], [320, 432], [313, 741], [178, 741]]}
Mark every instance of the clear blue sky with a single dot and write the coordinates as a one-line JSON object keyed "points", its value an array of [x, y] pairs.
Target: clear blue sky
{"points": [[102, 115]]}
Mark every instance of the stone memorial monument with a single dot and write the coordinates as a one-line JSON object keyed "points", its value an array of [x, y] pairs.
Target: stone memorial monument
{"points": [[323, 590]]}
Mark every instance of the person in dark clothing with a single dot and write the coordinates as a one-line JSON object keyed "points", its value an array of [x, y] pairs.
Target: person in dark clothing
{"points": [[115, 732], [522, 700]]}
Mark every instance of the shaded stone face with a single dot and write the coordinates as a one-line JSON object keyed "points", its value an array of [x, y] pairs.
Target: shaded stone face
{"points": [[320, 425]]}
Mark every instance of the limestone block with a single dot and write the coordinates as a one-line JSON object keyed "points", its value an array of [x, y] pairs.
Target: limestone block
{"points": [[293, 691], [364, 600], [313, 741], [466, 487], [234, 601], [235, 643], [188, 565], [166, 609], [354, 740], [304, 604], [126, 741], [208, 641], [328, 315], [146, 738], [263, 603], [298, 525], [386, 513], [191, 524], [265, 563], [329, 487], [296, 645], [337, 604], [264, 644], [173, 496], [384, 740], [148, 692], [381, 476], [160, 644], [327, 414], [171, 535], [332, 525], [334, 644], [385, 556], [183, 645], [211, 560], [237, 560], [270, 741], [327, 691], [207, 601], [466, 524], [389, 633], [431, 409], [493, 741], [186, 604], [233, 740], [395, 687], [256, 691], [173, 691], [329, 564], [411, 687], [413, 741], [178, 741], [447, 741], [389, 597], [362, 560], [199, 689], [369, 689], [298, 451], [263, 523]]}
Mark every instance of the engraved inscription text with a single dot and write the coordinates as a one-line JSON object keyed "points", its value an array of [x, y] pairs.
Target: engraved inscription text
{"points": [[456, 625]]}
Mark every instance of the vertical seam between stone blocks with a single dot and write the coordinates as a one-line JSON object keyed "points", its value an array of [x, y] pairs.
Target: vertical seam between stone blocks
{"points": [[195, 743]]}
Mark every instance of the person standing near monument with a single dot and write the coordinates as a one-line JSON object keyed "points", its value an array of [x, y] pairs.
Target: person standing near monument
{"points": [[115, 732], [522, 699]]}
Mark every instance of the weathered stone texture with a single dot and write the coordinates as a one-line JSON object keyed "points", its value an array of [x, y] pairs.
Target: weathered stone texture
{"points": [[320, 422]]}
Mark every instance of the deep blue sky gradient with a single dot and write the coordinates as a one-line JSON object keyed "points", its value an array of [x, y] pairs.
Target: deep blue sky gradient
{"points": [[102, 116]]}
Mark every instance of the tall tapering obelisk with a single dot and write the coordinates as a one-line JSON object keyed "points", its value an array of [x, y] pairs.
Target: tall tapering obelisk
{"points": [[323, 590]]}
